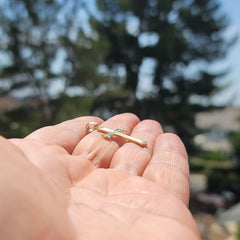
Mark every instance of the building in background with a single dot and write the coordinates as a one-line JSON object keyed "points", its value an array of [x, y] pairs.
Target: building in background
{"points": [[8, 104], [217, 125]]}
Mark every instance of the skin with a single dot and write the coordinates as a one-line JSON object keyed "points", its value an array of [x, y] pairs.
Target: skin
{"points": [[61, 182]]}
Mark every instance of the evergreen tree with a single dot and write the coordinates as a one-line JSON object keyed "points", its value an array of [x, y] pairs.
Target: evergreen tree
{"points": [[28, 44], [175, 35], [43, 42]]}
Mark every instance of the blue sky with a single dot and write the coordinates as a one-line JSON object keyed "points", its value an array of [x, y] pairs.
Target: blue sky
{"points": [[231, 95]]}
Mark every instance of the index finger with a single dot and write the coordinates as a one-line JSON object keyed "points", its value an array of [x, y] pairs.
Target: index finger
{"points": [[66, 134]]}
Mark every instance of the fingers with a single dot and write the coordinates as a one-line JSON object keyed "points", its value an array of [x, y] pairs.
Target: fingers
{"points": [[132, 158], [99, 150], [169, 166], [163, 161], [66, 134]]}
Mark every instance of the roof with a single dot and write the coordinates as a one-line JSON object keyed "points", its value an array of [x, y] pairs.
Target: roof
{"points": [[225, 119], [7, 103]]}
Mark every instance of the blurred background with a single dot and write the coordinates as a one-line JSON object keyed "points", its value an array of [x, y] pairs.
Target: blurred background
{"points": [[175, 61]]}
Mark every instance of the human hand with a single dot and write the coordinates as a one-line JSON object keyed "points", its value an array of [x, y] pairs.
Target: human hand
{"points": [[62, 183]]}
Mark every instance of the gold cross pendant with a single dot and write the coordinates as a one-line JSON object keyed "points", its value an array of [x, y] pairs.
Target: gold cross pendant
{"points": [[91, 126]]}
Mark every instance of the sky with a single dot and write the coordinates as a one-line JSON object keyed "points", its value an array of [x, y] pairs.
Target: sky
{"points": [[231, 95]]}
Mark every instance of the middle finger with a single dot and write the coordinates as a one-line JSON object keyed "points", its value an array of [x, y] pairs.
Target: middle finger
{"points": [[100, 151]]}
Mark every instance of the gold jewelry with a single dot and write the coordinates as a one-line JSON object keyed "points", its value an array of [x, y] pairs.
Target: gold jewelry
{"points": [[91, 126]]}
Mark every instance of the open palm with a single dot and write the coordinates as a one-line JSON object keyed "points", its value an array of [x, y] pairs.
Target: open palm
{"points": [[67, 184]]}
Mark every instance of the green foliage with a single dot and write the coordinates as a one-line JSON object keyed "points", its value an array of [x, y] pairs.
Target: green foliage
{"points": [[216, 179], [200, 164], [71, 107], [212, 156], [23, 120], [220, 174], [20, 122], [238, 232], [235, 141]]}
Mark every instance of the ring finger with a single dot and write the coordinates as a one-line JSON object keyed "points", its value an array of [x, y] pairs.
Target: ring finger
{"points": [[132, 158]]}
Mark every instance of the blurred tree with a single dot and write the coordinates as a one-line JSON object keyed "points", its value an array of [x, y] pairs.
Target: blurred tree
{"points": [[176, 41], [45, 44], [23, 120], [47, 41], [28, 44]]}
